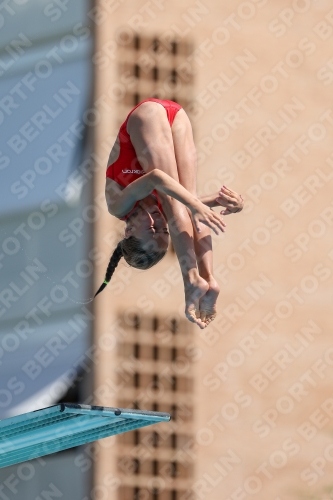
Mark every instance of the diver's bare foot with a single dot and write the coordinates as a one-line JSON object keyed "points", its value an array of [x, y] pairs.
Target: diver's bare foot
{"points": [[208, 302], [193, 293]]}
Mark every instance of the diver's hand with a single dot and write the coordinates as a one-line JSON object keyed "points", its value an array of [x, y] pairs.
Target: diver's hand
{"points": [[202, 214], [232, 201]]}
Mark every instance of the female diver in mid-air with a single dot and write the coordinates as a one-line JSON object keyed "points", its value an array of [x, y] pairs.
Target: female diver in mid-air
{"points": [[151, 185]]}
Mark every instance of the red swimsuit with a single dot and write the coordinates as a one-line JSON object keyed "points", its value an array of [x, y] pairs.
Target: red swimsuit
{"points": [[127, 168]]}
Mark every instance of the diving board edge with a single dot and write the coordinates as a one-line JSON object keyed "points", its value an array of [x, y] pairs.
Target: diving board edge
{"points": [[66, 425]]}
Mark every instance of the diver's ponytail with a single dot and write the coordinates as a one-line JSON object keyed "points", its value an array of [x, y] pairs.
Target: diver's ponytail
{"points": [[114, 261]]}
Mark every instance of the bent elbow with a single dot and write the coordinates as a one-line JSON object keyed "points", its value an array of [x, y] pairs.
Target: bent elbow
{"points": [[156, 178]]}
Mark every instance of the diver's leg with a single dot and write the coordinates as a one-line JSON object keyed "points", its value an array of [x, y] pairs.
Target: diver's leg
{"points": [[186, 158], [152, 139]]}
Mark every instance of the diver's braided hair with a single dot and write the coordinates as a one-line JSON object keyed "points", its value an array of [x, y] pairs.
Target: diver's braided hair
{"points": [[114, 261], [130, 248]]}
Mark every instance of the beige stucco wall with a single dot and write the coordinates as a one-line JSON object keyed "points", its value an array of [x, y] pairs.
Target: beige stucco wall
{"points": [[263, 125]]}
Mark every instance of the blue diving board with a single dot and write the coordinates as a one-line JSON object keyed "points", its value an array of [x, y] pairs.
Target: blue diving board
{"points": [[64, 426]]}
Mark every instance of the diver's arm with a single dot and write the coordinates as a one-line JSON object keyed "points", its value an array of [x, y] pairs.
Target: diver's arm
{"points": [[162, 182]]}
